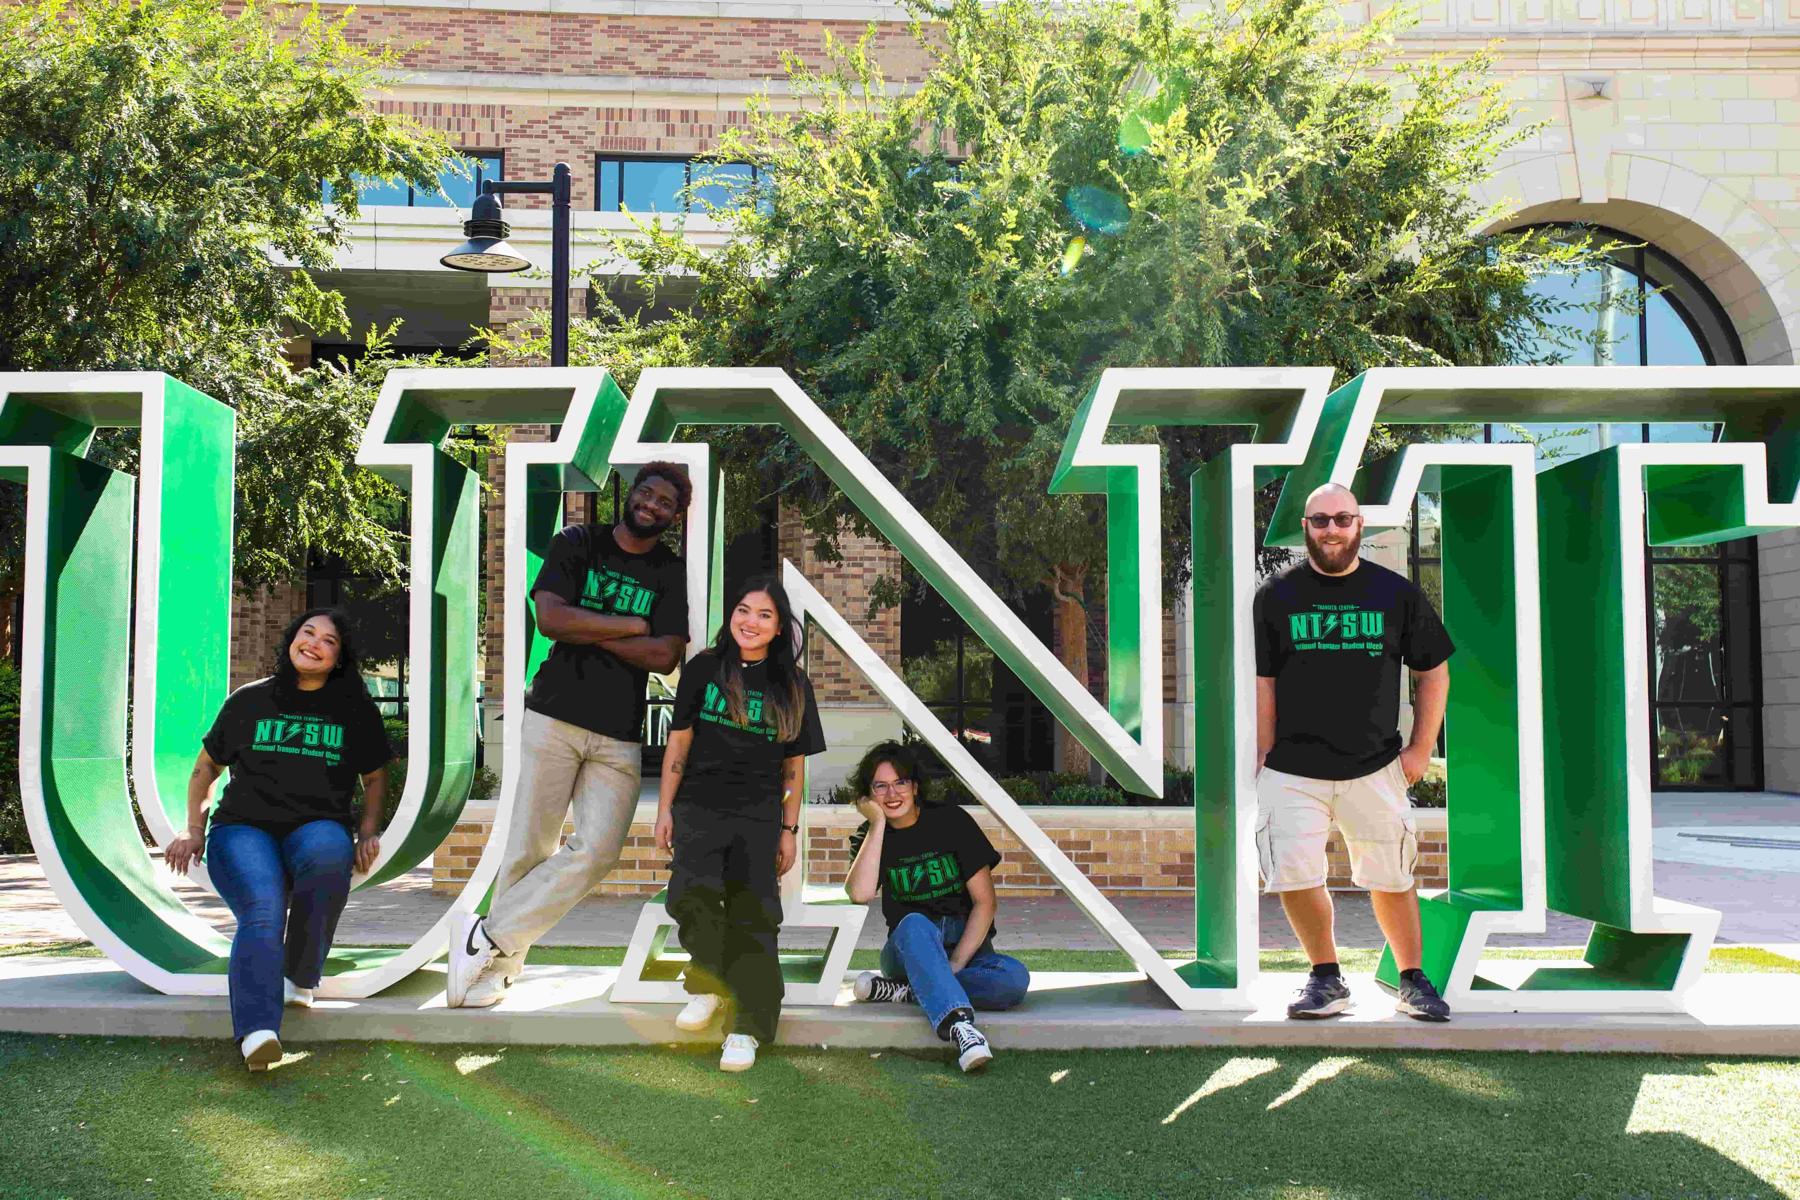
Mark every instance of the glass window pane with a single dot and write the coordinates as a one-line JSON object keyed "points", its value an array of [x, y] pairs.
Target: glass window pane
{"points": [[1682, 431], [1599, 311], [376, 191], [1741, 616], [1670, 342], [1691, 746], [1689, 650], [608, 199], [1429, 516], [719, 184], [461, 182], [653, 187], [1431, 582], [978, 738], [1555, 443], [932, 677]]}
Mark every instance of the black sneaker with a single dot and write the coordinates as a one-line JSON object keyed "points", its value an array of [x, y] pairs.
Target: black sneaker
{"points": [[1420, 1001], [972, 1050], [1320, 996], [881, 989]]}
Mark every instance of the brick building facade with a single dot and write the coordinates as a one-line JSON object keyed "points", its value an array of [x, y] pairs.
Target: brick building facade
{"points": [[1674, 122]]}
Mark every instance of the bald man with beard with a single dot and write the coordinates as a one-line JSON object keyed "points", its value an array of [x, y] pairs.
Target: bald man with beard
{"points": [[1332, 635]]}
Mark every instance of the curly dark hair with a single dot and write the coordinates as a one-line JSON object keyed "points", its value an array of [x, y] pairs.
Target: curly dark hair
{"points": [[677, 478], [348, 671], [897, 755]]}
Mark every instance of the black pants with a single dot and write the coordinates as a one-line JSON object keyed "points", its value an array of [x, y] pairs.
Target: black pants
{"points": [[725, 897]]}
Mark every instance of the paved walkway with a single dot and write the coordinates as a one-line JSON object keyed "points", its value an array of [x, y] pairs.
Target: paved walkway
{"points": [[1760, 900]]}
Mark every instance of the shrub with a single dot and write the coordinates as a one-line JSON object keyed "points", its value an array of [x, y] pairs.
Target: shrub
{"points": [[1023, 789], [1430, 793], [1087, 794], [486, 786], [13, 837]]}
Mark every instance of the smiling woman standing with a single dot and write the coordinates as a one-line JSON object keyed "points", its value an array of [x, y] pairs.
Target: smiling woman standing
{"points": [[280, 849], [732, 778]]}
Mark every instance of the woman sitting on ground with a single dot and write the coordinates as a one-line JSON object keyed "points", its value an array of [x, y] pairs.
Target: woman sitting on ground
{"points": [[280, 850], [933, 866], [732, 779]]}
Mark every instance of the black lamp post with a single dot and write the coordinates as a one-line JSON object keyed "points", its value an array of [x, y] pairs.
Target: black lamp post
{"points": [[486, 248]]}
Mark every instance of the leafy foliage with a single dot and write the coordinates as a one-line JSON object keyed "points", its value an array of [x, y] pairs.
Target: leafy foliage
{"points": [[161, 164], [948, 269]]}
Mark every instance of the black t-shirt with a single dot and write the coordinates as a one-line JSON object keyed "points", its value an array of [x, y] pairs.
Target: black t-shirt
{"points": [[294, 756], [926, 867], [588, 685], [731, 765], [1334, 645]]}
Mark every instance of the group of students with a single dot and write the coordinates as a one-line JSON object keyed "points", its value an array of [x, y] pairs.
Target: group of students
{"points": [[1332, 633]]}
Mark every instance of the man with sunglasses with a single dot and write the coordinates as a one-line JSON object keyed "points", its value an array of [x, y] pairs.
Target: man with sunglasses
{"points": [[1332, 634]]}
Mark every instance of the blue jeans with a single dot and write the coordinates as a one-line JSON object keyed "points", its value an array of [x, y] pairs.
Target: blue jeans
{"points": [[918, 952], [286, 893]]}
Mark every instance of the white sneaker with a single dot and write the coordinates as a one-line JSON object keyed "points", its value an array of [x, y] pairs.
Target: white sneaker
{"points": [[739, 1053], [489, 990], [472, 955], [295, 996], [262, 1049], [872, 985], [972, 1050], [699, 1012]]}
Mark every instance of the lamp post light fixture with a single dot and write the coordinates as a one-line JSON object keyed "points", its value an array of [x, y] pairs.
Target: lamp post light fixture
{"points": [[486, 249]]}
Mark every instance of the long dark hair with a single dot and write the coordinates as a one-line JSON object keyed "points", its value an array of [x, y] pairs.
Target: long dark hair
{"points": [[346, 674], [784, 699]]}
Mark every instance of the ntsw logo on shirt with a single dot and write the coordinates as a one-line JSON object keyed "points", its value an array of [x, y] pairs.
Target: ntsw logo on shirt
{"points": [[305, 735], [609, 589], [714, 709], [1338, 627], [925, 878]]}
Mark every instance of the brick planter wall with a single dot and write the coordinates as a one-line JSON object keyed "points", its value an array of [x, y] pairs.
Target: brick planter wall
{"points": [[1125, 851]]}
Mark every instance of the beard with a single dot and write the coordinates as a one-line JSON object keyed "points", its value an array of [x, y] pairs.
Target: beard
{"points": [[1332, 560], [639, 528]]}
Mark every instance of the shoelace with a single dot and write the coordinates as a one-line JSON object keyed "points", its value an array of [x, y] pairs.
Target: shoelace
{"points": [[966, 1036]]}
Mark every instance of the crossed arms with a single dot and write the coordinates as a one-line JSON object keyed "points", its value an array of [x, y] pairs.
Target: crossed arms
{"points": [[626, 638]]}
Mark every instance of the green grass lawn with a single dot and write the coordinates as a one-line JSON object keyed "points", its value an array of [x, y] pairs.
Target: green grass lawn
{"points": [[100, 1118], [96, 1118]]}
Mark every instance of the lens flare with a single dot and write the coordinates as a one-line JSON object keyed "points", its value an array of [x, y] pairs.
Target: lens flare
{"points": [[1097, 210], [1072, 256]]}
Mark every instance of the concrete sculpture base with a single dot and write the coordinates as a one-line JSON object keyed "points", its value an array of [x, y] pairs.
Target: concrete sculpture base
{"points": [[1728, 1014]]}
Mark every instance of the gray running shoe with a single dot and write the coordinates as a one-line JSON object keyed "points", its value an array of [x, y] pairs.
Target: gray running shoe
{"points": [[1420, 1001], [1320, 996]]}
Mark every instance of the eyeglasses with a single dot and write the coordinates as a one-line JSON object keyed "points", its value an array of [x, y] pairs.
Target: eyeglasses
{"points": [[1341, 520], [891, 789]]}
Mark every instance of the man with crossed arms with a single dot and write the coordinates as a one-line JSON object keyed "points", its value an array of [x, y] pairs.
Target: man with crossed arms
{"points": [[1332, 633]]}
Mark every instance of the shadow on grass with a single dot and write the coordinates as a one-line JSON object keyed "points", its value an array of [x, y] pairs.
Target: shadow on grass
{"points": [[98, 1118]]}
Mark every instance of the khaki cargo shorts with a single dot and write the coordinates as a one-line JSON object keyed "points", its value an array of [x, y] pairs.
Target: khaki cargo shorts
{"points": [[1294, 815]]}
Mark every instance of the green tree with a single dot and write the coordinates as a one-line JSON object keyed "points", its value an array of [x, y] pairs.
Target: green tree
{"points": [[161, 164], [948, 268]]}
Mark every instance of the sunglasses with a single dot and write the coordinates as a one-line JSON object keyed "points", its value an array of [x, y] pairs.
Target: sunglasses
{"points": [[1341, 520]]}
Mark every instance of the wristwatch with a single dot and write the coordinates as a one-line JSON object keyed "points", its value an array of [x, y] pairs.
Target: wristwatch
{"points": [[793, 829]]}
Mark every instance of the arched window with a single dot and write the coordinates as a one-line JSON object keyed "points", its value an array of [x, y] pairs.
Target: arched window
{"points": [[1704, 645]]}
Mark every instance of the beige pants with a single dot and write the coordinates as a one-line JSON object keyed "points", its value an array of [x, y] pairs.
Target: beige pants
{"points": [[563, 767], [1294, 817]]}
